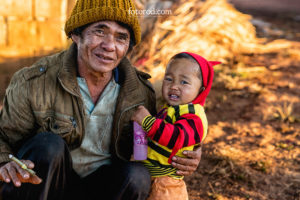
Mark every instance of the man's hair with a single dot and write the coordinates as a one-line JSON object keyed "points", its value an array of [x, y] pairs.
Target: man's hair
{"points": [[189, 57], [78, 31]]}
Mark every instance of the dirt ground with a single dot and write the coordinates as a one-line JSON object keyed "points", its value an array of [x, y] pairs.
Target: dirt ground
{"points": [[253, 147]]}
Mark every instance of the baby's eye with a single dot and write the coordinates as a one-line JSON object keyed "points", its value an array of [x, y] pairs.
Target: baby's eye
{"points": [[168, 79], [184, 82]]}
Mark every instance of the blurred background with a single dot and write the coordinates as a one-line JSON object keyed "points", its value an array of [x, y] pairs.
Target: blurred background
{"points": [[253, 149]]}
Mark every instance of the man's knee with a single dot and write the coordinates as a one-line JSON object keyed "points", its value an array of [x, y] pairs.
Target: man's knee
{"points": [[43, 147], [138, 177]]}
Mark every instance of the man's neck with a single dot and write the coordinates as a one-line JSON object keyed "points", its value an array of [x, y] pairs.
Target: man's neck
{"points": [[95, 81]]}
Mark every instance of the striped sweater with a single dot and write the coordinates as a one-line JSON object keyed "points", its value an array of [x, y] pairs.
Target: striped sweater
{"points": [[175, 129]]}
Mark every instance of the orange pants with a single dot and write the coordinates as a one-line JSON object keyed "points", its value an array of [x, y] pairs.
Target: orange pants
{"points": [[168, 188]]}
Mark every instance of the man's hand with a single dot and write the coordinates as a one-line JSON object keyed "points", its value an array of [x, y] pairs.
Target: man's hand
{"points": [[11, 171], [140, 113], [187, 166]]}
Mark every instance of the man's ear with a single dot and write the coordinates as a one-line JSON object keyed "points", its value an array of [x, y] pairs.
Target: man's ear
{"points": [[75, 38]]}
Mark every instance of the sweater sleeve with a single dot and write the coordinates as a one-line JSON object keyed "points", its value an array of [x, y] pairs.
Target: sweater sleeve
{"points": [[187, 130]]}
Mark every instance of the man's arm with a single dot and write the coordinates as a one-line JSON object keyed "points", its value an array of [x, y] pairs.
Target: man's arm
{"points": [[16, 123]]}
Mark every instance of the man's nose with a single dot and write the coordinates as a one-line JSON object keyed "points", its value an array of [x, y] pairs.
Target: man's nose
{"points": [[108, 43]]}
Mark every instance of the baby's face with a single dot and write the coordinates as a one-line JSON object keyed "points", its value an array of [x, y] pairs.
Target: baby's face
{"points": [[181, 83]]}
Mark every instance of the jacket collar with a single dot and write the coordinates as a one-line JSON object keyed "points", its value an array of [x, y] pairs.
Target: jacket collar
{"points": [[130, 84], [68, 72]]}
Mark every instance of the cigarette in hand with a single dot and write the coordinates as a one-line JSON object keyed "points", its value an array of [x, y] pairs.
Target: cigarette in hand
{"points": [[21, 164]]}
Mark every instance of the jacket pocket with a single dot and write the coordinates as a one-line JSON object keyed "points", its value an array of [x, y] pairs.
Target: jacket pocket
{"points": [[62, 128]]}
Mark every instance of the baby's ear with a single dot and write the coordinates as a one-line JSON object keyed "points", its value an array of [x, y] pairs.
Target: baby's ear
{"points": [[213, 63], [201, 89]]}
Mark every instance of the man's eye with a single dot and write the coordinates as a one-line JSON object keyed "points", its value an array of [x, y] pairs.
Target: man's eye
{"points": [[122, 38], [99, 32], [168, 79]]}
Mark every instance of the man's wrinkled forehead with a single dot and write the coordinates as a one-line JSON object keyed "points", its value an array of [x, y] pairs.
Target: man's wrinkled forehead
{"points": [[113, 25]]}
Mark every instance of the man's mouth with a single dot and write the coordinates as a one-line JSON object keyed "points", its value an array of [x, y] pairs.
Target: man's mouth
{"points": [[105, 58]]}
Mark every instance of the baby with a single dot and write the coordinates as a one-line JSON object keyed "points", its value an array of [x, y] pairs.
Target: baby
{"points": [[180, 125]]}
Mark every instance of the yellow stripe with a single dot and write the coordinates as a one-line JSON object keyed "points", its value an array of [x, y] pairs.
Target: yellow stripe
{"points": [[154, 155], [171, 113], [156, 171], [199, 111], [183, 109], [148, 122]]}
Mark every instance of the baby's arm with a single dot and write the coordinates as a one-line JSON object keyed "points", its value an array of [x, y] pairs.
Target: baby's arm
{"points": [[140, 114]]}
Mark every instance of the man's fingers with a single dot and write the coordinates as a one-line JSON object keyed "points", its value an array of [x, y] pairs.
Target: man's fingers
{"points": [[184, 173], [186, 162], [13, 175], [26, 177], [4, 175], [22, 173], [35, 180], [196, 154], [183, 167], [28, 163], [186, 166], [183, 170]]}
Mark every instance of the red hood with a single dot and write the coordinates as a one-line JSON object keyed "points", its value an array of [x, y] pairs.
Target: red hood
{"points": [[207, 76]]}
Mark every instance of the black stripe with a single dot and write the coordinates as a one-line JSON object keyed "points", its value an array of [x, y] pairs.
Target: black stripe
{"points": [[156, 163], [177, 112], [161, 170], [159, 132], [191, 108], [193, 126], [168, 119], [186, 136], [158, 149], [158, 171], [174, 137]]}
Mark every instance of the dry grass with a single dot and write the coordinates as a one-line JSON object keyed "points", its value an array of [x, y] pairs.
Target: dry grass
{"points": [[214, 29]]}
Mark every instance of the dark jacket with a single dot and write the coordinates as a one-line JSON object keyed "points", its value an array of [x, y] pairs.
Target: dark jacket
{"points": [[46, 97]]}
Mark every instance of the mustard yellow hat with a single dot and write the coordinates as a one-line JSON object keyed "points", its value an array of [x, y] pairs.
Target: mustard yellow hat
{"points": [[89, 11]]}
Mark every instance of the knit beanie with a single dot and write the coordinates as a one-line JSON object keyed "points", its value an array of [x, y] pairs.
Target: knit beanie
{"points": [[90, 11], [207, 76]]}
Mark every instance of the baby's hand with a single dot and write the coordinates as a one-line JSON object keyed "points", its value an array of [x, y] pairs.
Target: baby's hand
{"points": [[140, 113]]}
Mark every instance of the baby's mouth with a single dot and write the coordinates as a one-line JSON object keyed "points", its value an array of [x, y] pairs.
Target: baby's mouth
{"points": [[173, 97]]}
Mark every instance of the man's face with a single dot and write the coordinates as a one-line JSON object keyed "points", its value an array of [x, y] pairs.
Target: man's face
{"points": [[181, 84], [102, 46]]}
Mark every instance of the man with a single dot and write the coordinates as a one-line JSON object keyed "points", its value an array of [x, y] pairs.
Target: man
{"points": [[67, 117]]}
